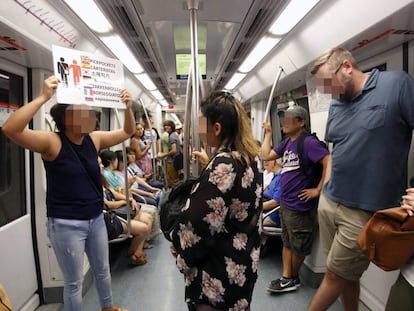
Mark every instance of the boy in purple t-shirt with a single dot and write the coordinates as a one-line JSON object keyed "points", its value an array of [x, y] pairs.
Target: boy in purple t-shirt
{"points": [[301, 184]]}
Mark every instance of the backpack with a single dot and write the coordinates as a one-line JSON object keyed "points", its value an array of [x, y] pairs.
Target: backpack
{"points": [[171, 204], [307, 168]]}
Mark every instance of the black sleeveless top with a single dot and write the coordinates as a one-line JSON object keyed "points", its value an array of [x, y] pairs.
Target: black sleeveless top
{"points": [[71, 193]]}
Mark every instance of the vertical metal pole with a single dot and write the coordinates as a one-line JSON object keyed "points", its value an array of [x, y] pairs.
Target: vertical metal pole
{"points": [[202, 90], [193, 7], [187, 126], [126, 180], [269, 101]]}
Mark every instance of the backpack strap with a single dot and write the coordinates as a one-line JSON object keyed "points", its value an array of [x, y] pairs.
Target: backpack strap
{"points": [[300, 143], [304, 169]]}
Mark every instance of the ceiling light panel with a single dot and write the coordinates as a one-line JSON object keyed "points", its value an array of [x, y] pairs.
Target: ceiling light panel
{"points": [[122, 52], [146, 81], [256, 55], [234, 81], [96, 21], [291, 15], [157, 94]]}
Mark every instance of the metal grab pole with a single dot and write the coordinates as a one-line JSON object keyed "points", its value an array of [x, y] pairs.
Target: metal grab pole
{"points": [[187, 125], [153, 144], [193, 7], [128, 204], [202, 90], [269, 102]]}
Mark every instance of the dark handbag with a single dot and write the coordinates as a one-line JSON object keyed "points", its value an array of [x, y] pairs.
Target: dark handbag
{"points": [[171, 204], [123, 212], [388, 238], [113, 225]]}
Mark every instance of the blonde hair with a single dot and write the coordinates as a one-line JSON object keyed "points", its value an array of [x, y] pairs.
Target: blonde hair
{"points": [[334, 57], [224, 108]]}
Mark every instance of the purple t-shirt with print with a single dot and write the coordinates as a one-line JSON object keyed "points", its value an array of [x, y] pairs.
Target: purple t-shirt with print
{"points": [[293, 181]]}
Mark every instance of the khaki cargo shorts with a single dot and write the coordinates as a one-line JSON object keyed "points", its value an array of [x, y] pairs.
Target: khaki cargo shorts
{"points": [[339, 226], [298, 230]]}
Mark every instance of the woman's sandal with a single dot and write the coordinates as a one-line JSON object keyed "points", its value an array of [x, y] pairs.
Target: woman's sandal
{"points": [[139, 260]]}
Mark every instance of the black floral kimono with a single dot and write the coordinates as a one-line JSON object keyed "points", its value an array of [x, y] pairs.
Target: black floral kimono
{"points": [[217, 239]]}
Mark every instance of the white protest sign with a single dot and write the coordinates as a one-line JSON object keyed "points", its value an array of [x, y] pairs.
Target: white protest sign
{"points": [[87, 79]]}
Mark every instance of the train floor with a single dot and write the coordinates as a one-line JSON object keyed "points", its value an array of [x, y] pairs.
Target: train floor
{"points": [[158, 286]]}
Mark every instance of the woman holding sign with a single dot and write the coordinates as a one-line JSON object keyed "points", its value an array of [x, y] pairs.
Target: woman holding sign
{"points": [[74, 190]]}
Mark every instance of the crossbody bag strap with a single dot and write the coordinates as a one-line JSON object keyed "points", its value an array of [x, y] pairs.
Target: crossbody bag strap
{"points": [[66, 140]]}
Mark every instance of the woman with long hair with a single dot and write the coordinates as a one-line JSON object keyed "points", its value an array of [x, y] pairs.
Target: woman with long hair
{"points": [[142, 150], [74, 197], [216, 241]]}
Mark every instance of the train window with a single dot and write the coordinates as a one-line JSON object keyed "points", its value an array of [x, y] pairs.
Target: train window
{"points": [[12, 172]]}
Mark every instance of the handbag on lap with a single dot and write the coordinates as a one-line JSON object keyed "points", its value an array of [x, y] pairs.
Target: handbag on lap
{"points": [[113, 225]]}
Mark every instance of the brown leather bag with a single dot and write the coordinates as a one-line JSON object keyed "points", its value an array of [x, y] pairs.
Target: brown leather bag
{"points": [[5, 304], [388, 238]]}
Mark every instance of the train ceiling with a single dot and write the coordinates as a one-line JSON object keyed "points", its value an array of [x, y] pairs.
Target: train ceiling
{"points": [[157, 31]]}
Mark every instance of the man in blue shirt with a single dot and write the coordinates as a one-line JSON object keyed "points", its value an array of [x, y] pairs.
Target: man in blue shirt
{"points": [[371, 118]]}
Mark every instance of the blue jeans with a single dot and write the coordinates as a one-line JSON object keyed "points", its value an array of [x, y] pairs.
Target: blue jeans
{"points": [[156, 183], [70, 239], [148, 200]]}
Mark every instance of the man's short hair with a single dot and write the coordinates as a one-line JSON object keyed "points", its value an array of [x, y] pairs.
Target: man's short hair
{"points": [[334, 57]]}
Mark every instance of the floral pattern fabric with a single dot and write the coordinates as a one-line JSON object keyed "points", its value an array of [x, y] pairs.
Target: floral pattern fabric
{"points": [[217, 240]]}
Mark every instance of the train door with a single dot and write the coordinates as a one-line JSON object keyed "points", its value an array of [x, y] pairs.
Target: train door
{"points": [[17, 268]]}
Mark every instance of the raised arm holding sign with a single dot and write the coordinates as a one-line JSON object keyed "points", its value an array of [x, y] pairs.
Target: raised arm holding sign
{"points": [[74, 201]]}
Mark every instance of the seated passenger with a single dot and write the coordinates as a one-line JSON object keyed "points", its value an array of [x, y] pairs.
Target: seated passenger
{"points": [[151, 194], [116, 179], [269, 167], [110, 176], [135, 170], [271, 196], [141, 223]]}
